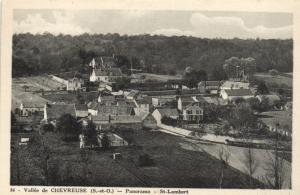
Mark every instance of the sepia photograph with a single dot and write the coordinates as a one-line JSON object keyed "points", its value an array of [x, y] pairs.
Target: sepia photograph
{"points": [[151, 98]]}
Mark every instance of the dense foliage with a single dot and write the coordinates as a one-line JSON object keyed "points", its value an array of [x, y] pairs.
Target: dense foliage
{"points": [[35, 54]]}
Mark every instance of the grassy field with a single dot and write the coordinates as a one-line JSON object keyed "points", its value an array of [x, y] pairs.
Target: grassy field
{"points": [[282, 117], [279, 80], [173, 165]]}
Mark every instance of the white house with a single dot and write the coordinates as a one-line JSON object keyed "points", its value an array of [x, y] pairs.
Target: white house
{"points": [[234, 85], [107, 75]]}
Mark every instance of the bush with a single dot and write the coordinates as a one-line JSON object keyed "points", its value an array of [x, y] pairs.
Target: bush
{"points": [[169, 121], [144, 160]]}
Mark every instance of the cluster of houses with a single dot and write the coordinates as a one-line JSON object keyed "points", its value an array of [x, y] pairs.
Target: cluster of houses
{"points": [[136, 108]]}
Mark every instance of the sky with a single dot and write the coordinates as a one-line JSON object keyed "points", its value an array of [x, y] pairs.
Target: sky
{"points": [[204, 24]]}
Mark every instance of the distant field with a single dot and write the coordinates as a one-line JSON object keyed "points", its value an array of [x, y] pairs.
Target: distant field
{"points": [[158, 77], [282, 117], [280, 80]]}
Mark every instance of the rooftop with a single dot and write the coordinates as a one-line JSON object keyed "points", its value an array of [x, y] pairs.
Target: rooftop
{"points": [[239, 92], [168, 111]]}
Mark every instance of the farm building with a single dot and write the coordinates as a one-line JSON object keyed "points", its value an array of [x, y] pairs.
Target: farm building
{"points": [[30, 108], [212, 87], [73, 84], [228, 85]]}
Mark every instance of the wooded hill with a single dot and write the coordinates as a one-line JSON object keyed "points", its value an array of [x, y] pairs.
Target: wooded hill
{"points": [[35, 54]]}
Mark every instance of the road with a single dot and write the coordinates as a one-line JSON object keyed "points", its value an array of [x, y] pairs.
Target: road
{"points": [[237, 158]]}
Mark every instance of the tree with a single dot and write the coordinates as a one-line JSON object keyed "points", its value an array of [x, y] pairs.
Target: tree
{"points": [[273, 72], [68, 127], [262, 88], [91, 134], [193, 77], [224, 158], [121, 83], [105, 141], [251, 164], [276, 173], [25, 87]]}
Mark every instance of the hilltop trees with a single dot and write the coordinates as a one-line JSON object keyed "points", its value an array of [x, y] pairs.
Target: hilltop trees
{"points": [[46, 53]]}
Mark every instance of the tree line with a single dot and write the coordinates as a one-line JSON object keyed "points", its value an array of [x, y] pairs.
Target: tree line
{"points": [[46, 53]]}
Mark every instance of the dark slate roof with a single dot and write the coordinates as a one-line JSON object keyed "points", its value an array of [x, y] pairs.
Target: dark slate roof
{"points": [[33, 104], [108, 72], [211, 83], [56, 110], [81, 107], [239, 92], [114, 110], [168, 112]]}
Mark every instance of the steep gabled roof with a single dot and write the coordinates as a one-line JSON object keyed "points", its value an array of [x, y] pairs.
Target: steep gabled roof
{"points": [[81, 107], [168, 112], [33, 104]]}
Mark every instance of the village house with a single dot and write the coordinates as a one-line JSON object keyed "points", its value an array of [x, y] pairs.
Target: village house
{"points": [[133, 94], [183, 101], [159, 113], [81, 110], [73, 84], [52, 112], [193, 113], [160, 101], [142, 106], [233, 94], [107, 75], [212, 87], [31, 108], [106, 99], [227, 85], [103, 62]]}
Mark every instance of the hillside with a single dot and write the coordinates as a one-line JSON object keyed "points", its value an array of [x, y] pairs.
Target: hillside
{"points": [[35, 54]]}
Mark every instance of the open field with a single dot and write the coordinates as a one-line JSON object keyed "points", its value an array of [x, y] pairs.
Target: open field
{"points": [[173, 165], [282, 117], [280, 80], [149, 76], [19, 95]]}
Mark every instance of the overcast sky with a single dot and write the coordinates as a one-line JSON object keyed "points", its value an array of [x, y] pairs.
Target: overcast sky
{"points": [[206, 24]]}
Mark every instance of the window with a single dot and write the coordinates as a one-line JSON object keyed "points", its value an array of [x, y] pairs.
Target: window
{"points": [[197, 111]]}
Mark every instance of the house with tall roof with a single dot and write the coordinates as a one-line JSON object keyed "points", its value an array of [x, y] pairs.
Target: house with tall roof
{"points": [[233, 94], [107, 75], [103, 62]]}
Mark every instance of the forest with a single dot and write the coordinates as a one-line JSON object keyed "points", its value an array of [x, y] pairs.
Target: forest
{"points": [[47, 53]]}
